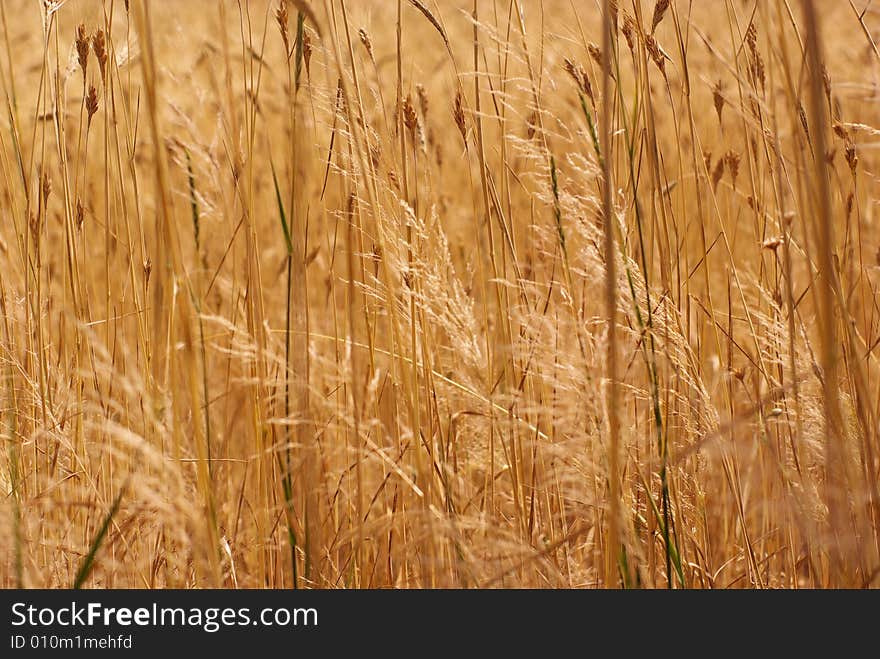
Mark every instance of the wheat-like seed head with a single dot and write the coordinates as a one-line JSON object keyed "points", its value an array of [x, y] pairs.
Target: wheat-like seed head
{"points": [[659, 12], [92, 102], [281, 17], [99, 47], [458, 116], [82, 49]]}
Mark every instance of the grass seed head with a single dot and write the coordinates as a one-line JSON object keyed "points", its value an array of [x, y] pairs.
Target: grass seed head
{"points": [[367, 42], [92, 102], [458, 116], [410, 118], [595, 53], [852, 158], [82, 49], [423, 100], [99, 47], [659, 12], [655, 52], [281, 16], [307, 51], [630, 31], [752, 37], [731, 162], [718, 99]]}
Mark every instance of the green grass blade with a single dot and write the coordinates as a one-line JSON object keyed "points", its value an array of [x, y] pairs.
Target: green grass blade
{"points": [[282, 214], [86, 567]]}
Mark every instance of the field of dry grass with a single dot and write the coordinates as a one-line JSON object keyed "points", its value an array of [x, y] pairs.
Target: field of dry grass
{"points": [[450, 293]]}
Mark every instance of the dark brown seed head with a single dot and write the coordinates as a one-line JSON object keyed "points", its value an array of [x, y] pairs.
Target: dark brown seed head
{"points": [[532, 125], [802, 115], [99, 47], [458, 115], [45, 186], [718, 173], [731, 162], [718, 99], [826, 81], [659, 11], [35, 226], [580, 77], [852, 158], [758, 69], [92, 102], [368, 43], [629, 31], [410, 118], [570, 68], [752, 38], [82, 48], [281, 16], [655, 52]]}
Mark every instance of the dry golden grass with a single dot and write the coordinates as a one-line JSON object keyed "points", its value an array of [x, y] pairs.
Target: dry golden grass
{"points": [[439, 293]]}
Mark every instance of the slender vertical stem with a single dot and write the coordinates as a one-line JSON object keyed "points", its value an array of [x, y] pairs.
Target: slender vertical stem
{"points": [[613, 552], [835, 485]]}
